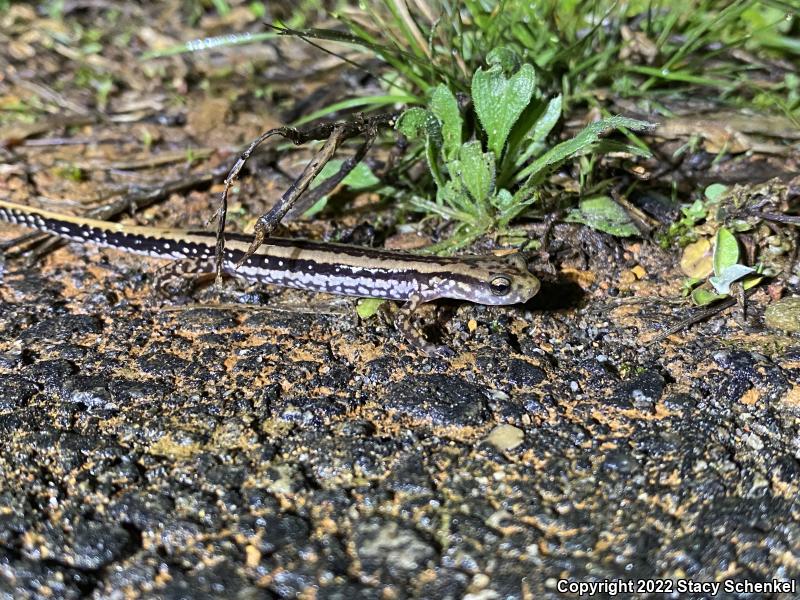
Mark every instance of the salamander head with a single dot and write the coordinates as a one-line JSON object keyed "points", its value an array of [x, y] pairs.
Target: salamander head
{"points": [[491, 281]]}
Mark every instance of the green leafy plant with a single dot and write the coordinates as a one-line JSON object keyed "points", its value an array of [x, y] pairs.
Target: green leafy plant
{"points": [[488, 170], [636, 49], [488, 180], [712, 267], [727, 271], [684, 230]]}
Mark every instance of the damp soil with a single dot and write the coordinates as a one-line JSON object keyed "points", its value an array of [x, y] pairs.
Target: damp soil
{"points": [[263, 443]]}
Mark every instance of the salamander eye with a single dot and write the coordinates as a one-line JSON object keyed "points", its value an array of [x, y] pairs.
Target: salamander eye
{"points": [[500, 286]]}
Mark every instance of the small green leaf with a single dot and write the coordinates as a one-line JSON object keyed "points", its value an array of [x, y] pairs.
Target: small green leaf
{"points": [[527, 137], [452, 194], [444, 105], [258, 10], [317, 207], [726, 251], [359, 178], [505, 57], [417, 122], [544, 125], [477, 171], [702, 296], [689, 284], [503, 200], [714, 191], [508, 207], [751, 281], [368, 307], [603, 214], [722, 283], [499, 101], [695, 211]]}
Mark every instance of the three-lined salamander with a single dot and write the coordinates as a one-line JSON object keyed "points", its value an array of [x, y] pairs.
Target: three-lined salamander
{"points": [[308, 265]]}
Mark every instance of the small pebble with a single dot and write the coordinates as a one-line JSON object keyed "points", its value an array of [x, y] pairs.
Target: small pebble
{"points": [[505, 437], [627, 277], [784, 315], [754, 442]]}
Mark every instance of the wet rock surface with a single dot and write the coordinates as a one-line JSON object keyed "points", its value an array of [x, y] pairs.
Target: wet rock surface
{"points": [[218, 452]]}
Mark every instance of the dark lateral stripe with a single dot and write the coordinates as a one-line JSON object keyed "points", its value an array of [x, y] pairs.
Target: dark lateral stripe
{"points": [[345, 249], [76, 228]]}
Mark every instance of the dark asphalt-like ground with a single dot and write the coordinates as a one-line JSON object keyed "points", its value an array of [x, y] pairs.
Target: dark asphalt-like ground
{"points": [[159, 450], [258, 443]]}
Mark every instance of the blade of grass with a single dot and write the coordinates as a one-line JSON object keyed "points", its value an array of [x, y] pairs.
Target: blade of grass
{"points": [[418, 72], [780, 42], [696, 36], [403, 17], [683, 76], [371, 101]]}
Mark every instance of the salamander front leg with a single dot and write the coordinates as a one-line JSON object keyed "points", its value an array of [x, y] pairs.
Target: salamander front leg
{"points": [[404, 322], [180, 278]]}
